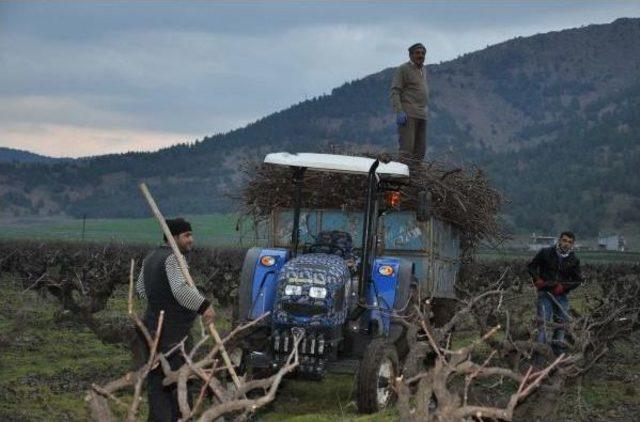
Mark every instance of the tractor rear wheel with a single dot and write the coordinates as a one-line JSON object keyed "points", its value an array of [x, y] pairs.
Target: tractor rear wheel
{"points": [[377, 372]]}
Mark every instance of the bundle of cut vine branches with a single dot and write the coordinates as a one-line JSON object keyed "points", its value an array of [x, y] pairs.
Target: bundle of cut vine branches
{"points": [[460, 195]]}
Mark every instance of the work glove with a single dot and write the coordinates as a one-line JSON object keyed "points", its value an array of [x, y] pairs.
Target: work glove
{"points": [[538, 282], [401, 118], [559, 289]]}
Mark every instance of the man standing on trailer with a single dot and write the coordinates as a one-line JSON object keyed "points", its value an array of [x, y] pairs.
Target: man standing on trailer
{"points": [[163, 285], [555, 272], [409, 97]]}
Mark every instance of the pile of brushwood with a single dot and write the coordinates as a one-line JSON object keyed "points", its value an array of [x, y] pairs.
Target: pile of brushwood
{"points": [[500, 372], [207, 362], [84, 276], [459, 194]]}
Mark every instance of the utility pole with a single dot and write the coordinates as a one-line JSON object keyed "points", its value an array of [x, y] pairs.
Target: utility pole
{"points": [[84, 225]]}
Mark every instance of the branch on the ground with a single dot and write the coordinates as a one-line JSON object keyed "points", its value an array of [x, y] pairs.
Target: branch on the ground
{"points": [[206, 368]]}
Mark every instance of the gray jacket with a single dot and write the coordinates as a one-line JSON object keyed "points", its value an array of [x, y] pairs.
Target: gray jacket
{"points": [[409, 90]]}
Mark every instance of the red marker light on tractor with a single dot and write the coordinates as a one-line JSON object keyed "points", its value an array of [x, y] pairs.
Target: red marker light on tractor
{"points": [[267, 261], [393, 199], [386, 270]]}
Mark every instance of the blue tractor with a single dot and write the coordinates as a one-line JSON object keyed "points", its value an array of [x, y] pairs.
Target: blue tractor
{"points": [[344, 279]]}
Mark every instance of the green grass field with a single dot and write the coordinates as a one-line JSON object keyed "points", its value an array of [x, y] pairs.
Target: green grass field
{"points": [[47, 360], [210, 230]]}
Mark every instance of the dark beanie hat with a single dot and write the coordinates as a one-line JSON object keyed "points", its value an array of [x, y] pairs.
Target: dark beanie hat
{"points": [[178, 226], [416, 46]]}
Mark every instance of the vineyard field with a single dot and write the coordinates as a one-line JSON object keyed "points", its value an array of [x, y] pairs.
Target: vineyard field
{"points": [[49, 360], [63, 326]]}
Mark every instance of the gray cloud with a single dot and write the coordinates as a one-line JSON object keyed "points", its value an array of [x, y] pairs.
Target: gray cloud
{"points": [[174, 70]]}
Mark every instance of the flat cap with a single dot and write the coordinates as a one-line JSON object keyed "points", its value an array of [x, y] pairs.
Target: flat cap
{"points": [[178, 226], [417, 46]]}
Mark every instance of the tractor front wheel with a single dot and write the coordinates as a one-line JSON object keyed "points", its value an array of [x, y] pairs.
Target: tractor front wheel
{"points": [[378, 370]]}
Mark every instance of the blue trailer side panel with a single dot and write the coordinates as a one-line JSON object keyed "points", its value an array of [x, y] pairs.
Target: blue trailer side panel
{"points": [[433, 246]]}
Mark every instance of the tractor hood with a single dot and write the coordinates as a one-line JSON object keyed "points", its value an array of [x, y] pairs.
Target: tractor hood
{"points": [[312, 291]]}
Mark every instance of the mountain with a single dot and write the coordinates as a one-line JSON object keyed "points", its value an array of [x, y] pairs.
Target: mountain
{"points": [[10, 155], [553, 118]]}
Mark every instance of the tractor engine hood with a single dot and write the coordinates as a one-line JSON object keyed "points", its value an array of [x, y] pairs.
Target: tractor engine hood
{"points": [[312, 291]]}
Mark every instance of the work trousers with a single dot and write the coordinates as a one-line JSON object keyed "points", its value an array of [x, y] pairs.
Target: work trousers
{"points": [[412, 137], [553, 312], [163, 400]]}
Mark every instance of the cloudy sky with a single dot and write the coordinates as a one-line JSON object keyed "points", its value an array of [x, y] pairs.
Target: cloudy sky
{"points": [[80, 79]]}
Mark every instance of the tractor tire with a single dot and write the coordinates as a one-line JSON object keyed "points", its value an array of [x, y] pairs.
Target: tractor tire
{"points": [[378, 369]]}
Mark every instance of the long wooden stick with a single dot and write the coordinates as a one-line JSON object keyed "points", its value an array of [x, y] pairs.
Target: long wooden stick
{"points": [[167, 233], [185, 272]]}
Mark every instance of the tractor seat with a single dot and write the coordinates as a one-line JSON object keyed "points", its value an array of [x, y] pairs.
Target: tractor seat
{"points": [[333, 242]]}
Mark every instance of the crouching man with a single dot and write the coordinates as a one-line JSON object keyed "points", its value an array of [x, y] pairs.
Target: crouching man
{"points": [[555, 272]]}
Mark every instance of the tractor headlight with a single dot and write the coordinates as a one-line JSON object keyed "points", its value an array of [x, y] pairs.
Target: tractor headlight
{"points": [[386, 270], [267, 261], [292, 290], [317, 292]]}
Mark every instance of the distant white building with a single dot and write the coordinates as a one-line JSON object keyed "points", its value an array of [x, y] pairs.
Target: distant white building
{"points": [[538, 242], [614, 242]]}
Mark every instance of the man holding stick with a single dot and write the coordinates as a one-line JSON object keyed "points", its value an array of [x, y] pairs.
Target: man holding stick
{"points": [[555, 271], [163, 284]]}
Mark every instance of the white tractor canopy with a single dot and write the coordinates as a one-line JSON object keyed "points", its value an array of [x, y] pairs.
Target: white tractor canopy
{"points": [[337, 163]]}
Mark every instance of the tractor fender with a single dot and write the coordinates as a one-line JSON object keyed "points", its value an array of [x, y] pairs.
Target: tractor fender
{"points": [[258, 282], [403, 289], [245, 288], [403, 295], [390, 293]]}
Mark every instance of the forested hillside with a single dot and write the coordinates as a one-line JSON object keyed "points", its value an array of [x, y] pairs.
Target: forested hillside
{"points": [[10, 155], [554, 118]]}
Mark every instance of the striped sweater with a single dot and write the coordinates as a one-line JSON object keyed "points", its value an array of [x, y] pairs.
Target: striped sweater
{"points": [[186, 295]]}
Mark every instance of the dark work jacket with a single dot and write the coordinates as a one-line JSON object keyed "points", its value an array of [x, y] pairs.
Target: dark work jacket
{"points": [[177, 319], [553, 269]]}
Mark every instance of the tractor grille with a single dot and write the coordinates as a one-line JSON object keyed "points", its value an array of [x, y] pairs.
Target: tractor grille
{"points": [[304, 309], [312, 351], [311, 344]]}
